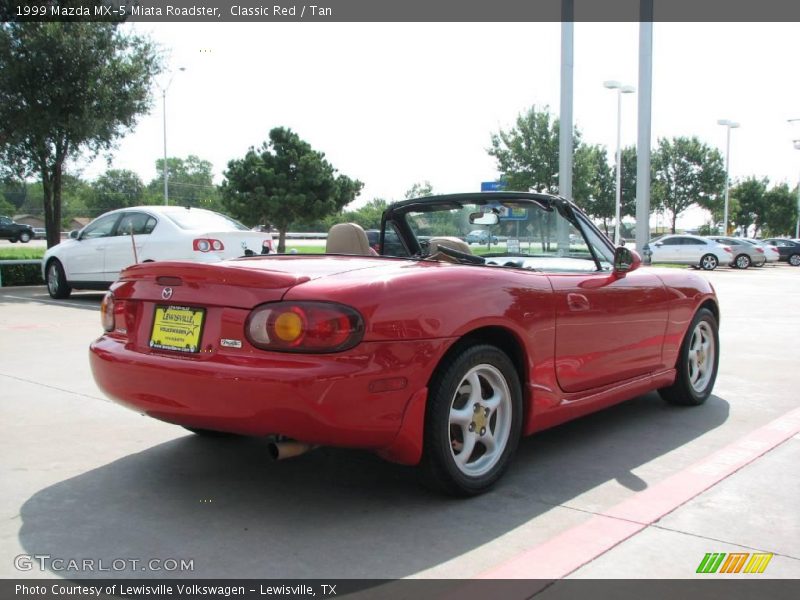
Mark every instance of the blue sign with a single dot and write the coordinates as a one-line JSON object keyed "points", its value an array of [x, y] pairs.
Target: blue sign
{"points": [[493, 186]]}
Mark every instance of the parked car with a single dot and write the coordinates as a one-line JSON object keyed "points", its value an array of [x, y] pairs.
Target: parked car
{"points": [[94, 256], [15, 232], [480, 236], [392, 245], [39, 233], [440, 359], [770, 250], [688, 250], [745, 253], [789, 250], [374, 238]]}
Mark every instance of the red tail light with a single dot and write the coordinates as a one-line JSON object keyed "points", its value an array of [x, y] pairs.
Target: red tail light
{"points": [[304, 327], [760, 250], [207, 245], [727, 249]]}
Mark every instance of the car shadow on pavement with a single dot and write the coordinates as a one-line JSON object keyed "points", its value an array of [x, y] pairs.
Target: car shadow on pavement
{"points": [[334, 513]]}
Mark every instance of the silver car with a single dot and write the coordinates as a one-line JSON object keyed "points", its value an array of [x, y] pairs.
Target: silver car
{"points": [[745, 253], [770, 250], [688, 250]]}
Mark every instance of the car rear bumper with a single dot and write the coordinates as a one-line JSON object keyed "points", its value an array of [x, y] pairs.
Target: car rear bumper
{"points": [[353, 399]]}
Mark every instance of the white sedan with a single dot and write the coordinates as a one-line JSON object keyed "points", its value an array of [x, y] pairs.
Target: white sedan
{"points": [[93, 257], [688, 250]]}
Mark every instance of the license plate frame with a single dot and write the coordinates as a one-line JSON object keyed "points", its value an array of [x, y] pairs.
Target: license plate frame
{"points": [[177, 328]]}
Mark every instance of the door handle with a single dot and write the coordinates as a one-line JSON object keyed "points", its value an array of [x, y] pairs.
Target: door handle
{"points": [[578, 302]]}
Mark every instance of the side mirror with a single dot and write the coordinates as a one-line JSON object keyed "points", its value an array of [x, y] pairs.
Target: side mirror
{"points": [[73, 235], [625, 260]]}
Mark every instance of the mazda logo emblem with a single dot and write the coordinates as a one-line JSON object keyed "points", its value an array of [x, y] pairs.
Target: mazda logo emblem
{"points": [[166, 293]]}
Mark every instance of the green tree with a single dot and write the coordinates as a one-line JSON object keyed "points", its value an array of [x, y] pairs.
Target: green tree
{"points": [[116, 188], [283, 181], [74, 198], [750, 196], [628, 203], [593, 183], [14, 191], [780, 214], [67, 89], [527, 154], [419, 190], [191, 183], [369, 215], [6, 208], [686, 172]]}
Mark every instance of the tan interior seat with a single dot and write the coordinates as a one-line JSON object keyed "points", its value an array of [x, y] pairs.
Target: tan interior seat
{"points": [[451, 242], [348, 238]]}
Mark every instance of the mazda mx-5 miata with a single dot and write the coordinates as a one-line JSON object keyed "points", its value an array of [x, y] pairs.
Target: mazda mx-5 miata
{"points": [[425, 353]]}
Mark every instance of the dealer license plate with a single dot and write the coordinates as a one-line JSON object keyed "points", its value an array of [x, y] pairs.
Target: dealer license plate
{"points": [[177, 328]]}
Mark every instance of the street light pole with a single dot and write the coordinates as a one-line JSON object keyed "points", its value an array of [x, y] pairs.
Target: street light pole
{"points": [[797, 147], [621, 89], [164, 108], [729, 125], [797, 225]]}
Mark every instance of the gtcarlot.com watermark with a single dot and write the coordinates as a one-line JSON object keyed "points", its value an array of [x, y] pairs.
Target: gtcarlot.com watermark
{"points": [[46, 562]]}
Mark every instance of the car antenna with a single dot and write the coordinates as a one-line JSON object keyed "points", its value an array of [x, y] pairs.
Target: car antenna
{"points": [[133, 244]]}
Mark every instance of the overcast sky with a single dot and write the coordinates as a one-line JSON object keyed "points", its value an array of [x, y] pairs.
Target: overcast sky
{"points": [[397, 103]]}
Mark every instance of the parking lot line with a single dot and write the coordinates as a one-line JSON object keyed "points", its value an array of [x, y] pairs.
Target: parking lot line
{"points": [[570, 550], [45, 300]]}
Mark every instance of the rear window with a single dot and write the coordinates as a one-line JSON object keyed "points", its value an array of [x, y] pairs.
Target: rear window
{"points": [[206, 220]]}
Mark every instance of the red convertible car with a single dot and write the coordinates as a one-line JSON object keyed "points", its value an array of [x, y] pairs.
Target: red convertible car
{"points": [[428, 352]]}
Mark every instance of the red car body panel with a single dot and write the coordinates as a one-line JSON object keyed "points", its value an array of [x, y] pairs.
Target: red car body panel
{"points": [[584, 341]]}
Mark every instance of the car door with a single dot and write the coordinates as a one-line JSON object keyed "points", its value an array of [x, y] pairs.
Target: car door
{"points": [[85, 260], [785, 248], [693, 249], [5, 227], [609, 328], [134, 229], [667, 250]]}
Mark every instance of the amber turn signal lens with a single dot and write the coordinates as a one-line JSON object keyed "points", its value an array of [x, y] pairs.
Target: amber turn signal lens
{"points": [[288, 327], [107, 312]]}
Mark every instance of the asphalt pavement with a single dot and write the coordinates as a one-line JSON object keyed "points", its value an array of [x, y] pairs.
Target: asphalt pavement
{"points": [[641, 490]]}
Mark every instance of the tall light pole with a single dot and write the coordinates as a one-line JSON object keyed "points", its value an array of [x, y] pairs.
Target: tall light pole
{"points": [[727, 123], [621, 89], [797, 147], [797, 225], [164, 106]]}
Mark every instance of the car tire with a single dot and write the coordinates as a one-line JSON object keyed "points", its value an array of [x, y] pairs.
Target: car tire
{"points": [[698, 362], [709, 262], [24, 237], [794, 260], [742, 261], [13, 240], [56, 280], [486, 422]]}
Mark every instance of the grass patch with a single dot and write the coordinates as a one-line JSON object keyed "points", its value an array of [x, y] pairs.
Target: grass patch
{"points": [[21, 253], [305, 249]]}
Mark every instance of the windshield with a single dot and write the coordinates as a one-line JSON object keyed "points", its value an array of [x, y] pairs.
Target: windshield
{"points": [[510, 233], [204, 220]]}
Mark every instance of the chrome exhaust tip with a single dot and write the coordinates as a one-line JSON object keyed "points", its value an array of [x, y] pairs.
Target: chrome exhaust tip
{"points": [[288, 449]]}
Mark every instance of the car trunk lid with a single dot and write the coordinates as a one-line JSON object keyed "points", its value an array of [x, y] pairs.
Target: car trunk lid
{"points": [[241, 283]]}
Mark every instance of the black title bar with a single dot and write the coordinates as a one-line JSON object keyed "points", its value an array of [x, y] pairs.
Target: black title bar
{"points": [[329, 11]]}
